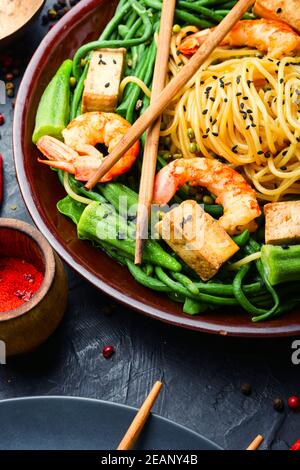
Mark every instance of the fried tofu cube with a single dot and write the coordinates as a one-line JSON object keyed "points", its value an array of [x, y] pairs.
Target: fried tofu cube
{"points": [[282, 10], [197, 238], [101, 88], [282, 223]]}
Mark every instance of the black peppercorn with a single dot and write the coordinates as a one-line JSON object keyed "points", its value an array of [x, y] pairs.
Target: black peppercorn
{"points": [[278, 404], [60, 13], [246, 389], [16, 72], [45, 19]]}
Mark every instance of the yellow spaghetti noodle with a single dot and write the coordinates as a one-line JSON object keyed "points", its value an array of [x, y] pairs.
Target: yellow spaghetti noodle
{"points": [[72, 194], [244, 108], [137, 81]]}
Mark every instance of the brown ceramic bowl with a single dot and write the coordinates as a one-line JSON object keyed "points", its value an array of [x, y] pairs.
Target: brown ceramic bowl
{"points": [[26, 327], [41, 191]]}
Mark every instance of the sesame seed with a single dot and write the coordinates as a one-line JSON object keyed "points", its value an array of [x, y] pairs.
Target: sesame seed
{"points": [[283, 168], [249, 82], [205, 112], [245, 98], [253, 125], [215, 134], [225, 100], [281, 81], [279, 10], [205, 136], [284, 153], [215, 122], [214, 77], [212, 99], [238, 79], [107, 85], [260, 152], [242, 105], [234, 149], [239, 94], [249, 111]]}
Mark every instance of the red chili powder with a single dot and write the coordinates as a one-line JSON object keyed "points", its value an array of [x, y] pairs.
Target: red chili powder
{"points": [[19, 281]]}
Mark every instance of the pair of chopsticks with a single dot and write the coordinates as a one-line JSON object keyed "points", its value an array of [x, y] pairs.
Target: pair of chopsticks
{"points": [[161, 97], [141, 417]]}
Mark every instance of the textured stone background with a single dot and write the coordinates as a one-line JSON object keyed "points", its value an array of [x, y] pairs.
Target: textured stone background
{"points": [[202, 374]]}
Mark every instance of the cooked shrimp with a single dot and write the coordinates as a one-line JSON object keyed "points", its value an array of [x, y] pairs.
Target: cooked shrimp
{"points": [[275, 38], [232, 190], [279, 10], [78, 154]]}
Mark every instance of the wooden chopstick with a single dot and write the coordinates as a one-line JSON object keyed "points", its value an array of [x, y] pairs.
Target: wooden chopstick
{"points": [[256, 443], [152, 140], [140, 419], [164, 98]]}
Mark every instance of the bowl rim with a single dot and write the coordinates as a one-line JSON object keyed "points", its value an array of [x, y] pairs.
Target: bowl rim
{"points": [[49, 264], [34, 12], [201, 324]]}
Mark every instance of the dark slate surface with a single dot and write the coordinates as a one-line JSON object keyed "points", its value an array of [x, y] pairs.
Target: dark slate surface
{"points": [[202, 374]]}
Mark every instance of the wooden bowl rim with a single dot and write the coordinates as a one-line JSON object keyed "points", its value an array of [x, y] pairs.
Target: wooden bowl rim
{"points": [[49, 263], [19, 28]]}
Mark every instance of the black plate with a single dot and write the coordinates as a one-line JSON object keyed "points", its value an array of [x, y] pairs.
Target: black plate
{"points": [[69, 423]]}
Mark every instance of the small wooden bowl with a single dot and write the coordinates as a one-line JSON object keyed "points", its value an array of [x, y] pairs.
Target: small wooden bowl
{"points": [[29, 325]]}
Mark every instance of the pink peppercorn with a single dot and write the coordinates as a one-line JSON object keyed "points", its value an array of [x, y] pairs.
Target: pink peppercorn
{"points": [[108, 351]]}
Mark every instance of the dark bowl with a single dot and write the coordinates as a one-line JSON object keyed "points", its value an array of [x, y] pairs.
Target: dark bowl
{"points": [[17, 33], [41, 191]]}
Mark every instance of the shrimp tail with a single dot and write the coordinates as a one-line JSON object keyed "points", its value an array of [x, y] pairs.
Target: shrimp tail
{"points": [[59, 165]]}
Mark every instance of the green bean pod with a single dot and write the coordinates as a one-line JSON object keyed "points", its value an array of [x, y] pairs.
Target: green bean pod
{"points": [[192, 307], [103, 43], [144, 279], [180, 289]]}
